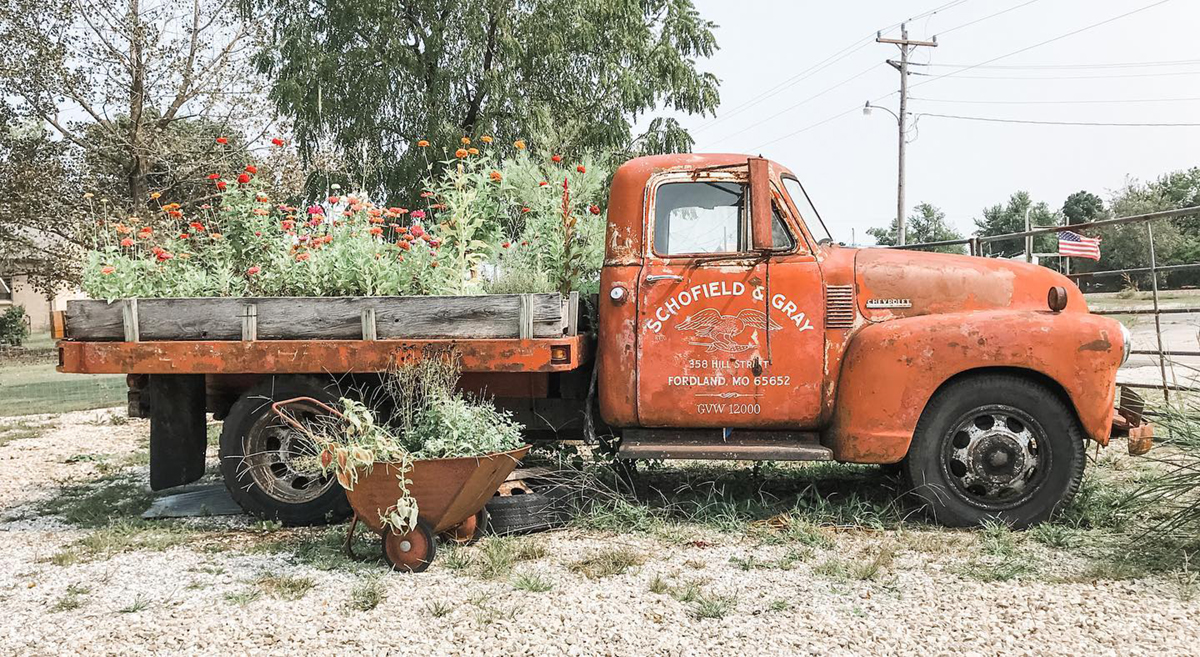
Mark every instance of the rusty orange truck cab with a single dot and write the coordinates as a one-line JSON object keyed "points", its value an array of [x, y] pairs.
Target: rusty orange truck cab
{"points": [[729, 326]]}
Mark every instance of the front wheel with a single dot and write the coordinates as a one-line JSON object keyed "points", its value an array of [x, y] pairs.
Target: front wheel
{"points": [[995, 448]]}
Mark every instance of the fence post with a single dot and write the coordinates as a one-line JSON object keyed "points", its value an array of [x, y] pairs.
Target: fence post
{"points": [[1162, 357], [973, 245]]}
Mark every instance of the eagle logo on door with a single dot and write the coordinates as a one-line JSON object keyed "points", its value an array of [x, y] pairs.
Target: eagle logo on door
{"points": [[721, 331]]}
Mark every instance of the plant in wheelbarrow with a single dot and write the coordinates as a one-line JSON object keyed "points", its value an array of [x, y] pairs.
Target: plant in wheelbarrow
{"points": [[426, 473]]}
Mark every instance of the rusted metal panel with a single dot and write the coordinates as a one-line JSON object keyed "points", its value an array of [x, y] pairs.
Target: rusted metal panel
{"points": [[616, 351], [525, 385], [893, 368], [315, 356], [719, 444]]}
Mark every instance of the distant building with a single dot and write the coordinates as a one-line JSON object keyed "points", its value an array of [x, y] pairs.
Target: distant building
{"points": [[15, 290]]}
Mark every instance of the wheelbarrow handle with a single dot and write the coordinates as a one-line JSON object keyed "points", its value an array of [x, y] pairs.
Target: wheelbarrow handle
{"points": [[277, 409]]}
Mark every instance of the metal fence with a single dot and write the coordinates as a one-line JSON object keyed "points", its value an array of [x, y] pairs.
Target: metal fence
{"points": [[1164, 356]]}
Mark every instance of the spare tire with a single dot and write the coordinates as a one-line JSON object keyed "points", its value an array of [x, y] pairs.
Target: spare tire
{"points": [[544, 507]]}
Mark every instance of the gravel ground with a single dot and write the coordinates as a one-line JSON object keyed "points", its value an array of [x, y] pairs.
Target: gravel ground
{"points": [[218, 587]]}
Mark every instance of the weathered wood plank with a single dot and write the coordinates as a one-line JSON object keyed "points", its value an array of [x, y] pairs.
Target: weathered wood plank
{"points": [[316, 318]]}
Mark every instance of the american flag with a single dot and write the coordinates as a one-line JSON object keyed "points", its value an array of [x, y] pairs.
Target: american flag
{"points": [[1074, 244]]}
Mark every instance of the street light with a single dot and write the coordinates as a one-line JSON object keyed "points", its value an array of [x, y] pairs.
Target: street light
{"points": [[867, 107]]}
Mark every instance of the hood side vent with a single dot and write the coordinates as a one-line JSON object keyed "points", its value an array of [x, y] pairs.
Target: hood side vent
{"points": [[839, 306]]}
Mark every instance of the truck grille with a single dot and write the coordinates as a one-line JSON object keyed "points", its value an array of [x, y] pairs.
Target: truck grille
{"points": [[839, 306]]}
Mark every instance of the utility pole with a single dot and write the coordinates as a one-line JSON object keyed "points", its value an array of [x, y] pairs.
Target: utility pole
{"points": [[906, 46]]}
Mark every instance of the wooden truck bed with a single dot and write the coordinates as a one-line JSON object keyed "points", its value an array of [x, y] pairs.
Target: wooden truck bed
{"points": [[492, 333]]}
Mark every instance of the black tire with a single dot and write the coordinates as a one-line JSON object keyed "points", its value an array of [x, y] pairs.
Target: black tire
{"points": [[995, 447], [528, 512], [267, 484]]}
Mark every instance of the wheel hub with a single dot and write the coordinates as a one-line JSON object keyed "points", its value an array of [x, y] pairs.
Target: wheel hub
{"points": [[992, 454], [283, 463]]}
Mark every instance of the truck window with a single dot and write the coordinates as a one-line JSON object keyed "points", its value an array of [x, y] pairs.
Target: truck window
{"points": [[700, 217], [808, 213], [708, 217]]}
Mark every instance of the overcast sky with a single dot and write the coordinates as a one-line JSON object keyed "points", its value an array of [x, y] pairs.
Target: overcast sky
{"points": [[849, 164]]}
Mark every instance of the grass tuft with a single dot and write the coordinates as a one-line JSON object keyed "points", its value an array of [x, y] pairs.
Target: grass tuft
{"points": [[286, 587], [532, 583], [608, 562], [368, 594]]}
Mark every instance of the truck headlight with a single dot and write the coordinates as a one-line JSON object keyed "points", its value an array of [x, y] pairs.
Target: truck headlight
{"points": [[1127, 337]]}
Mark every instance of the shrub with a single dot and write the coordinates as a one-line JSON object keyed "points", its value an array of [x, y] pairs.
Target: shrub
{"points": [[13, 329]]}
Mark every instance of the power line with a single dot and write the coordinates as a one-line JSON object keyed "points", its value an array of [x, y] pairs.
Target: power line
{"points": [[1058, 102], [815, 96], [1174, 62], [1048, 41], [1056, 77], [980, 20], [820, 123], [819, 66], [1078, 123]]}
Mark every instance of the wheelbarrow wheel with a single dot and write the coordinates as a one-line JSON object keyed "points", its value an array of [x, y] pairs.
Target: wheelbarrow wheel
{"points": [[470, 530], [411, 552]]}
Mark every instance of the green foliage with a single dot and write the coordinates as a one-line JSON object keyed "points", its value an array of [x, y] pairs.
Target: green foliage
{"points": [[1009, 217], [373, 78], [13, 330], [926, 224]]}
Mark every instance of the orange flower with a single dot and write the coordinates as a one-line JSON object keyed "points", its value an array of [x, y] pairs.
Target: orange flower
{"points": [[556, 158], [465, 140], [519, 144], [496, 176], [473, 151], [171, 206], [485, 139], [422, 143], [154, 195], [217, 237], [127, 242], [376, 230], [301, 257], [460, 153], [581, 169], [262, 212], [107, 269]]}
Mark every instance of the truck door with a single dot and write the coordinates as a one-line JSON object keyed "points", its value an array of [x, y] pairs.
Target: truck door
{"points": [[729, 335]]}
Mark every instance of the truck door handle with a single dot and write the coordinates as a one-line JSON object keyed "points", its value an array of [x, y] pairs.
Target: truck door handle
{"points": [[654, 278]]}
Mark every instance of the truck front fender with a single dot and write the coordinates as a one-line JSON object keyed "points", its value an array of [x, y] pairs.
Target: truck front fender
{"points": [[891, 370]]}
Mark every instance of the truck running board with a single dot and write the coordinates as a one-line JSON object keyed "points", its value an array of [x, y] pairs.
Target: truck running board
{"points": [[720, 445]]}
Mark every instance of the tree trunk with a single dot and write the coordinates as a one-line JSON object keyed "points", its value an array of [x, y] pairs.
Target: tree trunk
{"points": [[138, 165]]}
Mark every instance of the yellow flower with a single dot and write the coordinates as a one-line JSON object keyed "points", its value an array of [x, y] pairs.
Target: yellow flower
{"points": [[519, 144], [473, 151], [465, 140], [486, 139], [154, 195]]}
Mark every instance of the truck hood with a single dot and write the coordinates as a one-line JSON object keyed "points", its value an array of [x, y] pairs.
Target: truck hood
{"points": [[894, 283]]}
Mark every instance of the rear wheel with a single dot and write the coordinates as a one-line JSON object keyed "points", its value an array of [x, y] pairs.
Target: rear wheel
{"points": [[270, 468], [995, 448]]}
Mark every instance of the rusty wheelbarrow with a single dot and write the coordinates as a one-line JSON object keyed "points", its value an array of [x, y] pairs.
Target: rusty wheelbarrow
{"points": [[450, 493]]}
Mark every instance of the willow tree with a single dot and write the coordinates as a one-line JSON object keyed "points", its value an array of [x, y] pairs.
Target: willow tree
{"points": [[370, 78]]}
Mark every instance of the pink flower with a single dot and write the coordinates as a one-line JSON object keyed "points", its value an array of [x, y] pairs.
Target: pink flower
{"points": [[253, 270], [315, 209], [417, 214]]}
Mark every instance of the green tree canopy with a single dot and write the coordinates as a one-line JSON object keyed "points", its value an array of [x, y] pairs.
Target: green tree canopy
{"points": [[1083, 207], [927, 223], [372, 77], [1009, 217]]}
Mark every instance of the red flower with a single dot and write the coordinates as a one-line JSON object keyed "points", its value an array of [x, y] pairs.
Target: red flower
{"points": [[506, 244], [222, 140], [277, 141], [525, 210], [375, 230], [197, 226], [255, 269], [418, 214], [107, 269], [127, 242], [595, 209], [244, 178], [250, 168], [221, 185], [556, 158], [335, 199], [164, 256], [417, 231], [301, 257], [524, 243], [214, 176], [426, 194], [404, 244], [543, 183], [184, 236], [287, 224], [433, 244], [581, 169]]}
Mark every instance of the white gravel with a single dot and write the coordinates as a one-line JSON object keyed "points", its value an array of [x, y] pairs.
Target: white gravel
{"points": [[177, 600]]}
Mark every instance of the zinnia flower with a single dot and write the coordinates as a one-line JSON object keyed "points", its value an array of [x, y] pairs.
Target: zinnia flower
{"points": [[556, 158], [485, 139], [184, 236], [216, 236], [301, 257], [127, 242], [221, 185], [278, 142], [418, 214], [315, 209], [519, 144], [595, 209], [376, 230], [505, 244], [335, 199], [197, 226], [422, 143], [543, 183], [255, 269], [417, 231], [222, 140], [107, 269], [154, 195], [524, 210], [496, 176], [244, 178], [581, 169], [250, 168], [473, 151], [164, 256], [214, 176], [465, 140], [460, 153]]}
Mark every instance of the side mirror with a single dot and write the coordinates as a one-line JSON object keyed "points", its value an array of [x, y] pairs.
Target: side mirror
{"points": [[760, 204]]}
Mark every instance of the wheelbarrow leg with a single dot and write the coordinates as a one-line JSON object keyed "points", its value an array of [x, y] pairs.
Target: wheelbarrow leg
{"points": [[348, 546]]}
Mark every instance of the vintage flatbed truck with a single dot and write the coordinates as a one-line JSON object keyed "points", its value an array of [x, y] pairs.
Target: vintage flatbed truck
{"points": [[728, 325]]}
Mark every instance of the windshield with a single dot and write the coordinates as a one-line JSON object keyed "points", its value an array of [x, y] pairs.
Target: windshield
{"points": [[808, 213]]}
